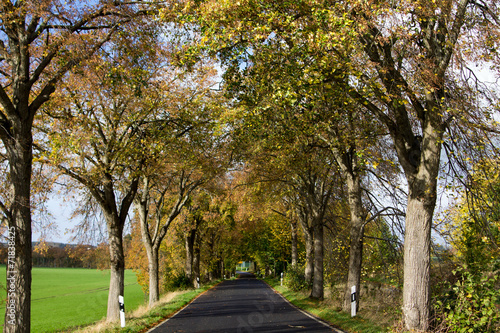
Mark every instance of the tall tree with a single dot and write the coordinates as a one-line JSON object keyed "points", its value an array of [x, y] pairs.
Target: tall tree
{"points": [[154, 225], [416, 109], [182, 152], [192, 227], [40, 41], [99, 124], [210, 223]]}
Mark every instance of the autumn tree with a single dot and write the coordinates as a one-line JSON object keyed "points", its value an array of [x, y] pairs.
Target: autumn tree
{"points": [[262, 232], [165, 207], [191, 229], [163, 195], [416, 109], [182, 154], [217, 247], [99, 123], [84, 255]]}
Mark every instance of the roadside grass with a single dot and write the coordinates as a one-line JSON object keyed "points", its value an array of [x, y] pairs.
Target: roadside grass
{"points": [[329, 310], [143, 319], [63, 297]]}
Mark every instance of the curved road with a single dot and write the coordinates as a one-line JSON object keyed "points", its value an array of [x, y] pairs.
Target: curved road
{"points": [[242, 305]]}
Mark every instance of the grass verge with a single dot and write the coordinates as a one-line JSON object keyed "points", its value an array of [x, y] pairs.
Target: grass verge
{"points": [[144, 319], [328, 311]]}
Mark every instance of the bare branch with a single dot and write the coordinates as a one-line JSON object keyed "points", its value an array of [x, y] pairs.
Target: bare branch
{"points": [[49, 88]]}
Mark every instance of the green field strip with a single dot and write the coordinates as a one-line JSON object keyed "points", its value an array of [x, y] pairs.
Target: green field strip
{"points": [[90, 291], [69, 297]]}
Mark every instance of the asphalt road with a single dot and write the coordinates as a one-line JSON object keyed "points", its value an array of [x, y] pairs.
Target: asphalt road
{"points": [[242, 305]]}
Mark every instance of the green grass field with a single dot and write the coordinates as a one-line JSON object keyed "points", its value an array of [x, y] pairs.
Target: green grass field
{"points": [[68, 297]]}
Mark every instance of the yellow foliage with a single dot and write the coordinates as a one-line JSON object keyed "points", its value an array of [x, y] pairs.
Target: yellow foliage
{"points": [[475, 223]]}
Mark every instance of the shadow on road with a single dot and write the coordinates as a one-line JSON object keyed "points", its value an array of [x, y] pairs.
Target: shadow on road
{"points": [[245, 275]]}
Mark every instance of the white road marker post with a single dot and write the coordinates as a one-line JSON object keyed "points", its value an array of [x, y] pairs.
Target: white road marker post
{"points": [[122, 310], [282, 279], [353, 301], [198, 283]]}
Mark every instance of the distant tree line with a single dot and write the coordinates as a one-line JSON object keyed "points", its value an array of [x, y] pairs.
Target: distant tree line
{"points": [[62, 255]]}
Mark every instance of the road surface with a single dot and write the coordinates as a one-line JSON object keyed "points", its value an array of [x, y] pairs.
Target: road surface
{"points": [[242, 305]]}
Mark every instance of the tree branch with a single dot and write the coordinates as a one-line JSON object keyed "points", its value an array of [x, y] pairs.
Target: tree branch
{"points": [[128, 199], [49, 88], [9, 109], [5, 212]]}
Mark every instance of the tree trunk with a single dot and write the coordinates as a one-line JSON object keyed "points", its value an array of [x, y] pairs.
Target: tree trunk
{"points": [[355, 264], [416, 283], [309, 269], [196, 262], [356, 239], [189, 244], [150, 247], [154, 290], [317, 288], [117, 260], [419, 212], [308, 235], [19, 260], [295, 252]]}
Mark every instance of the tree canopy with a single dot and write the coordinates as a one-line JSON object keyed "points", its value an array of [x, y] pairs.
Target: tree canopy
{"points": [[314, 135]]}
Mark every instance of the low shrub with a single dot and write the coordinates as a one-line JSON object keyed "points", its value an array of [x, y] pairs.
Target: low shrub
{"points": [[294, 279], [471, 303], [179, 281]]}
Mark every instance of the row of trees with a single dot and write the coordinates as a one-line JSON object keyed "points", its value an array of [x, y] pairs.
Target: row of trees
{"points": [[332, 116], [356, 77], [91, 90]]}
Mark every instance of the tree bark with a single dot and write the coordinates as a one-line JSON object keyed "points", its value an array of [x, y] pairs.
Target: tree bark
{"points": [[309, 269], [115, 216], [355, 264], [151, 247], [117, 268], [189, 245], [196, 260], [416, 283], [317, 288], [18, 279], [356, 238], [422, 183], [295, 252], [153, 267], [420, 210], [309, 240]]}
